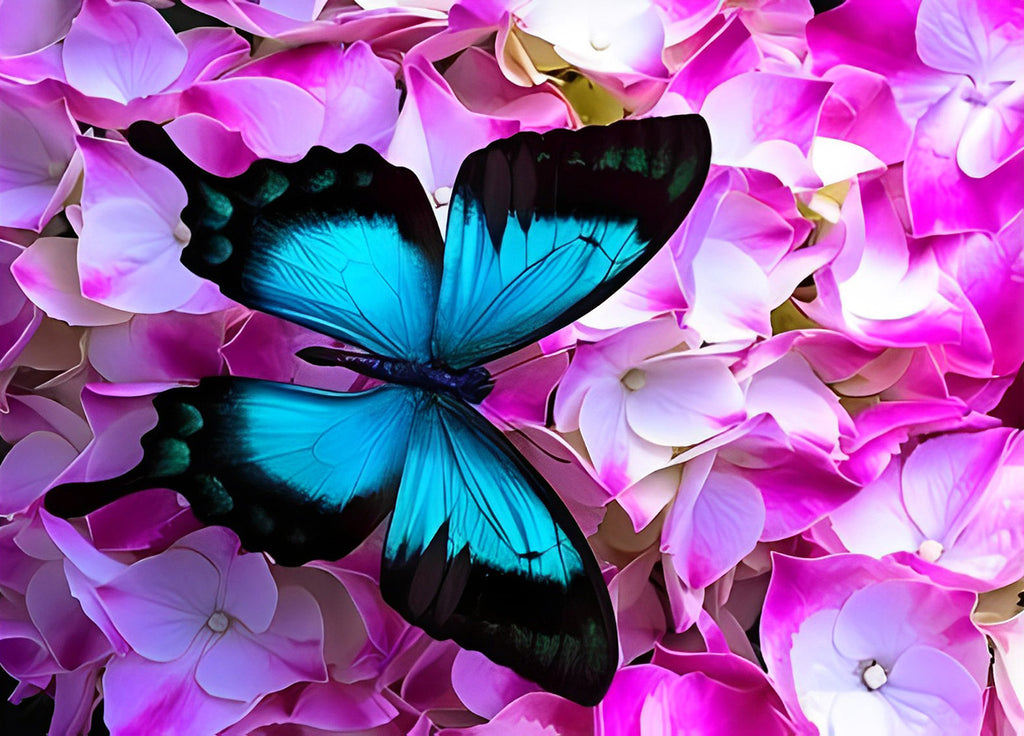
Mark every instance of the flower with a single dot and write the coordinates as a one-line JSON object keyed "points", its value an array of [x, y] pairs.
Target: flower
{"points": [[857, 646]]}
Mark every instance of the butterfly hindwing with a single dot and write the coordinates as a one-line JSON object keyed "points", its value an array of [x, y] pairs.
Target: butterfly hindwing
{"points": [[301, 473], [482, 551], [543, 228], [344, 244]]}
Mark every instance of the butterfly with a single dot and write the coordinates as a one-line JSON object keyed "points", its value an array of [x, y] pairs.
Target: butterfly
{"points": [[479, 548]]}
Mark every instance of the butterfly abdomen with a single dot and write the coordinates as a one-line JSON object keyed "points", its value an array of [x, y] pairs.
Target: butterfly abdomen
{"points": [[471, 385]]}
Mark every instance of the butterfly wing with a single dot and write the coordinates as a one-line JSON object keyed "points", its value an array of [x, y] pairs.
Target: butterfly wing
{"points": [[480, 550], [543, 228], [344, 244], [301, 473]]}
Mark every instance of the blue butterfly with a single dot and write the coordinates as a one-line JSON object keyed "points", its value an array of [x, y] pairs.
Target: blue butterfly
{"points": [[541, 229]]}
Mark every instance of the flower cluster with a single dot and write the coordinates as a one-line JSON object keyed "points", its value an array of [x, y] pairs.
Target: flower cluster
{"points": [[793, 439]]}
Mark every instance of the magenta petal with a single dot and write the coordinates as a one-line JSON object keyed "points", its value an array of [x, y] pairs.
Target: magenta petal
{"points": [[121, 51], [143, 698]]}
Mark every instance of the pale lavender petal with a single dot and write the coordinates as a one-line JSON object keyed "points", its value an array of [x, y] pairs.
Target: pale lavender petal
{"points": [[250, 594], [72, 638], [289, 651], [954, 36], [683, 400], [162, 603], [944, 477], [933, 694], [121, 51], [33, 26], [30, 467]]}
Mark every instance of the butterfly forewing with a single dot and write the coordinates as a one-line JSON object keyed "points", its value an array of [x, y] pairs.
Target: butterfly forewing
{"points": [[543, 228], [344, 244]]}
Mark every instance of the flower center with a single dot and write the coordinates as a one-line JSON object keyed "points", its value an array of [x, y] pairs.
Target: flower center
{"points": [[930, 550], [181, 232], [218, 621], [634, 379], [442, 195], [599, 41], [873, 676]]}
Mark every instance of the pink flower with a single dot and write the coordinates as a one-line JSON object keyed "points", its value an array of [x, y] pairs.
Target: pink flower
{"points": [[858, 646], [736, 255], [45, 638], [952, 65], [632, 404], [947, 509], [195, 616]]}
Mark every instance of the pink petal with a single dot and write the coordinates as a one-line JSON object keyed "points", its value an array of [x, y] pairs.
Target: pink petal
{"points": [[941, 197], [620, 456], [435, 131], [48, 273], [715, 521], [121, 51], [485, 687], [37, 145], [993, 134]]}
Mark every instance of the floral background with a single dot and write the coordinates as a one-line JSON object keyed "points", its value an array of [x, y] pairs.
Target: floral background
{"points": [[793, 439]]}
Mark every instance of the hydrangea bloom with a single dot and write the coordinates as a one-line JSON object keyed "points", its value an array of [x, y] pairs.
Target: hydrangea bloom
{"points": [[793, 439]]}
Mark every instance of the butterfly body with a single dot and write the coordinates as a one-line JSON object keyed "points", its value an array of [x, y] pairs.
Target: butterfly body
{"points": [[471, 385], [479, 547]]}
